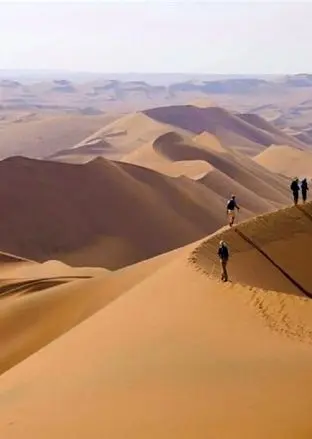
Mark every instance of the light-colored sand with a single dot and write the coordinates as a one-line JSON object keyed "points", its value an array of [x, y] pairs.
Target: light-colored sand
{"points": [[43, 301], [118, 138], [100, 214], [286, 160], [43, 135], [208, 140], [231, 171], [153, 157], [227, 171], [179, 355], [217, 120]]}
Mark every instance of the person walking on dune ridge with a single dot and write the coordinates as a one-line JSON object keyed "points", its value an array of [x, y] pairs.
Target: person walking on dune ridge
{"points": [[223, 254], [230, 207], [295, 190], [304, 190]]}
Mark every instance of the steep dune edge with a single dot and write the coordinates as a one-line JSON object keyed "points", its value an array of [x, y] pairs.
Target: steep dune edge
{"points": [[178, 355], [270, 258], [233, 166], [214, 119], [148, 157], [271, 251], [79, 214]]}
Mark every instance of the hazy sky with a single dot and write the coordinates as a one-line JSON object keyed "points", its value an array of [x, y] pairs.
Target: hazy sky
{"points": [[157, 36]]}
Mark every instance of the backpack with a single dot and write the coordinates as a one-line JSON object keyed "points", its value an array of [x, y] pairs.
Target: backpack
{"points": [[223, 252], [231, 205]]}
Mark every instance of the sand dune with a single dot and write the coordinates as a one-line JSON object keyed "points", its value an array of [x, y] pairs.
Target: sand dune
{"points": [[239, 143], [236, 169], [209, 140], [36, 310], [120, 137], [217, 120], [147, 156], [151, 156], [179, 354], [282, 236], [45, 134], [286, 160], [80, 214], [226, 171], [247, 133]]}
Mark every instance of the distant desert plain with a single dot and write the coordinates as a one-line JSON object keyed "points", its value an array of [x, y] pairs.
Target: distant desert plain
{"points": [[114, 322]]}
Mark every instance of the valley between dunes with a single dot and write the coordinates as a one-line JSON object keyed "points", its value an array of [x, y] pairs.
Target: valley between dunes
{"points": [[113, 320]]}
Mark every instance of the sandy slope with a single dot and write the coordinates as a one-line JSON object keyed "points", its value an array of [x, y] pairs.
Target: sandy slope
{"points": [[231, 171], [286, 160], [40, 301], [285, 236], [34, 309], [116, 139], [217, 120], [102, 213], [151, 156], [44, 134], [227, 171], [177, 355], [120, 139]]}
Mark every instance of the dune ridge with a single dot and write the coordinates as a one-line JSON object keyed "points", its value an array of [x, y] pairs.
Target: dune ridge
{"points": [[82, 216], [180, 357], [295, 162], [236, 169], [259, 242], [116, 139], [215, 120]]}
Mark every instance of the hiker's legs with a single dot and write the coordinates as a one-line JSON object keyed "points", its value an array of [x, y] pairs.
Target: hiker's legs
{"points": [[224, 274], [296, 196], [304, 196], [231, 216]]}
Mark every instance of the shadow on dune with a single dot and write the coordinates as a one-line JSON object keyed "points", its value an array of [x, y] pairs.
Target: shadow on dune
{"points": [[240, 169], [271, 252]]}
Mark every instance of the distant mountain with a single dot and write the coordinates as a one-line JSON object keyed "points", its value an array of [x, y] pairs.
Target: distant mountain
{"points": [[133, 92]]}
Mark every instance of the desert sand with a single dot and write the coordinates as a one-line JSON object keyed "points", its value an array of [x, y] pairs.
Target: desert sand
{"points": [[178, 354], [113, 320], [81, 216], [121, 139], [38, 134], [286, 160]]}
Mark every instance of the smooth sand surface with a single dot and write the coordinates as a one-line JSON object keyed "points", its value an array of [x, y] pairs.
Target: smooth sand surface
{"points": [[179, 354], [120, 137], [34, 309], [217, 119], [102, 213], [286, 160], [42, 135], [159, 347]]}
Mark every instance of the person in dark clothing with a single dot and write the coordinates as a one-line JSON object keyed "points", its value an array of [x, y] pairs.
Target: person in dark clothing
{"points": [[230, 208], [295, 190], [304, 189], [223, 254]]}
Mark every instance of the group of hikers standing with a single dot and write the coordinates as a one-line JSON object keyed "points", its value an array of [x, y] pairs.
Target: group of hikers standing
{"points": [[295, 188], [223, 251]]}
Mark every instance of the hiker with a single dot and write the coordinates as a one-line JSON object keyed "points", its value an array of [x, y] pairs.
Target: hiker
{"points": [[223, 254], [295, 189], [231, 206], [304, 190]]}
